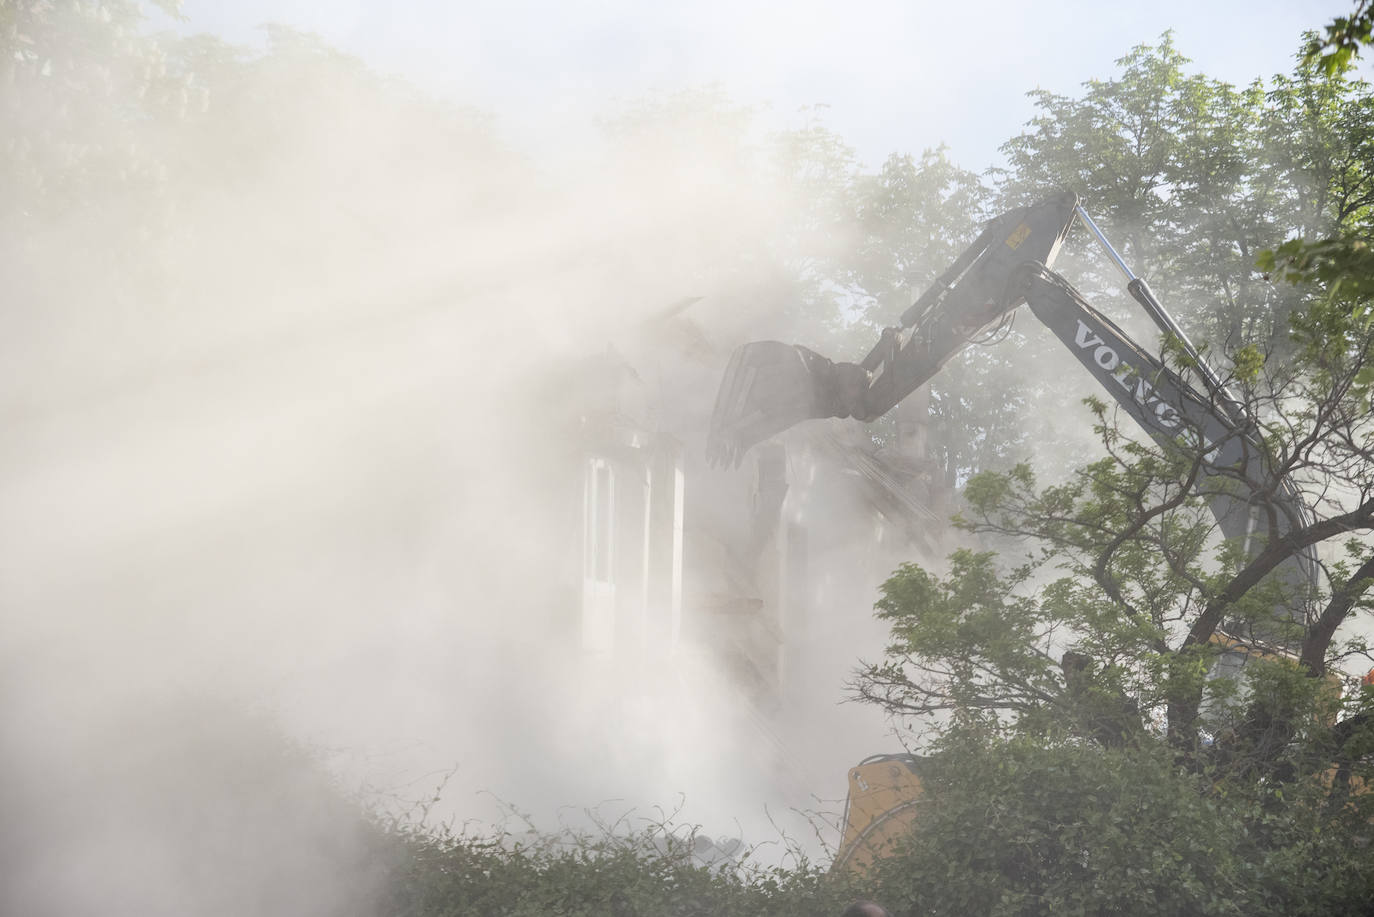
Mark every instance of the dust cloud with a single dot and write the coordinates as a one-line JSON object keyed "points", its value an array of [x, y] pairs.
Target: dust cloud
{"points": [[283, 488]]}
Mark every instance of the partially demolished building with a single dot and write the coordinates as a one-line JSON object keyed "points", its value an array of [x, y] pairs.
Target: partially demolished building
{"points": [[672, 553]]}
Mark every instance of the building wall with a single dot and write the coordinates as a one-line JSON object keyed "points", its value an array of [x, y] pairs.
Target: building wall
{"points": [[632, 544]]}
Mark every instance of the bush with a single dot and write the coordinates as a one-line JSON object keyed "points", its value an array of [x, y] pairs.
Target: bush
{"points": [[642, 874], [1023, 826]]}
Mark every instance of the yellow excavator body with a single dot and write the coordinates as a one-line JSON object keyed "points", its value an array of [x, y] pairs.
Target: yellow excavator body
{"points": [[880, 809]]}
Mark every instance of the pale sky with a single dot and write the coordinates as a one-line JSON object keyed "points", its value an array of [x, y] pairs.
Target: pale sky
{"points": [[896, 75]]}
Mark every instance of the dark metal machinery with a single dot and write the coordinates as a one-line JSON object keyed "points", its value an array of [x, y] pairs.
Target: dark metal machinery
{"points": [[770, 386]]}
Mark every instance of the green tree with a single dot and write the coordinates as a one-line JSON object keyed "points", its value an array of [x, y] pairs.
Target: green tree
{"points": [[1147, 581], [1344, 37], [1331, 151], [1119, 146], [81, 89], [1193, 178], [1076, 677]]}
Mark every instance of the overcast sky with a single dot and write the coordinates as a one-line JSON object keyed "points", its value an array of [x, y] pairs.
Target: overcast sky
{"points": [[896, 75]]}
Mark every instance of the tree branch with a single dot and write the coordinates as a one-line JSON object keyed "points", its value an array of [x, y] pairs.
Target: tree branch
{"points": [[1319, 635]]}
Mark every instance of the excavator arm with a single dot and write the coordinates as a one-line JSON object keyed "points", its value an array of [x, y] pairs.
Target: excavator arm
{"points": [[769, 386]]}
